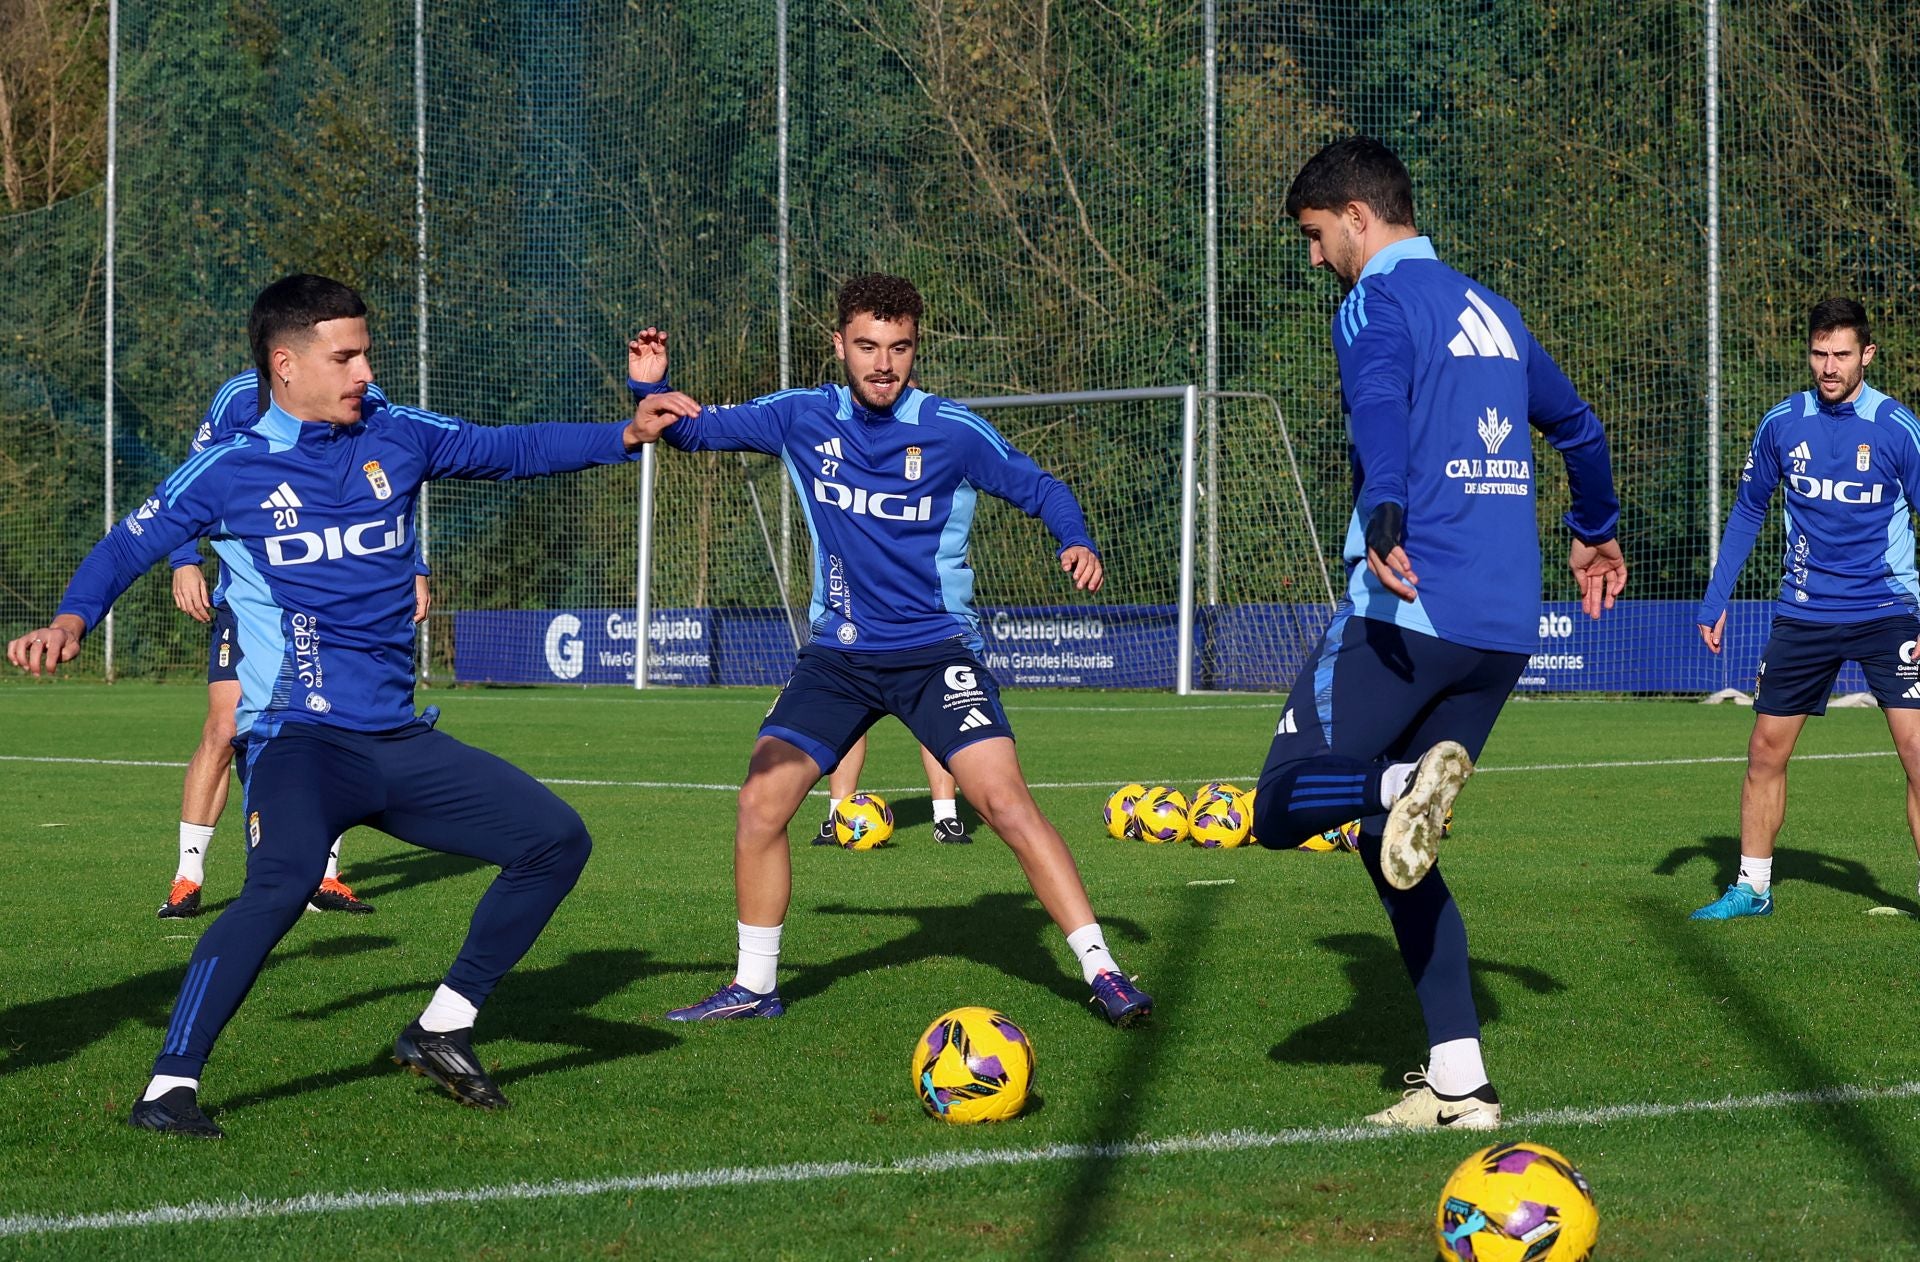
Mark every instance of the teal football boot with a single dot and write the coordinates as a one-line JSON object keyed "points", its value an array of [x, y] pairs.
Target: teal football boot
{"points": [[1739, 900]]}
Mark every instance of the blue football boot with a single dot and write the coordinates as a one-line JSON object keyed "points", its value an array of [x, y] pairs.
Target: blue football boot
{"points": [[1739, 900], [732, 1001], [1118, 999]]}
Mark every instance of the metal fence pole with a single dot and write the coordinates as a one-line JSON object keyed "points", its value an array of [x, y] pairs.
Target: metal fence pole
{"points": [[106, 396], [785, 303], [420, 275], [1713, 282], [1212, 377], [643, 567]]}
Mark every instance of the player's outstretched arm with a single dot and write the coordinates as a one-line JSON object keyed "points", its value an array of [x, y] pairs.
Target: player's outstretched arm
{"points": [[1083, 563], [1601, 571], [43, 650]]}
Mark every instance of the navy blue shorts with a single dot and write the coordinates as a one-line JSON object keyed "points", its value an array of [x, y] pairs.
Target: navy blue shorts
{"points": [[223, 655], [1803, 658], [1377, 692], [943, 693]]}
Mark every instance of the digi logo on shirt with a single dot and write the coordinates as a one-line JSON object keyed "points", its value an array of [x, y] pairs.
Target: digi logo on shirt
{"points": [[884, 504], [304, 547], [1840, 492]]}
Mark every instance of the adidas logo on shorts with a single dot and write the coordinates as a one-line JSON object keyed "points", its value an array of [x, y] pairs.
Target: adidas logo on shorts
{"points": [[975, 719], [1913, 693]]}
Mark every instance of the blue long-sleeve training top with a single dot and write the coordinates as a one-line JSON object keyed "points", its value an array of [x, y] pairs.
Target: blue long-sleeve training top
{"points": [[313, 524], [236, 406], [1440, 378], [1852, 475], [889, 500]]}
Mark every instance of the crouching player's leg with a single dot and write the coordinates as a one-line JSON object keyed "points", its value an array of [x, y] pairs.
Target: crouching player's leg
{"points": [[302, 789], [451, 797], [1376, 697], [952, 705]]}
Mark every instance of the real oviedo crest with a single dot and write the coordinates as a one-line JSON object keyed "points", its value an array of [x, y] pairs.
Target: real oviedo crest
{"points": [[377, 479]]}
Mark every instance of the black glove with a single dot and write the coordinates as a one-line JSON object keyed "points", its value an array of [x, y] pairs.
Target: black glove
{"points": [[1385, 527]]}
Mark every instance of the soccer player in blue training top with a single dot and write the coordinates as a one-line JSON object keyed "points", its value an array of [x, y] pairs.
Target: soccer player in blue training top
{"points": [[1850, 458], [1440, 379], [203, 795], [310, 510], [888, 476]]}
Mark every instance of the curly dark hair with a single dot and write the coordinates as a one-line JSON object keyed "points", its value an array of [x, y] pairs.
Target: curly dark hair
{"points": [[882, 296]]}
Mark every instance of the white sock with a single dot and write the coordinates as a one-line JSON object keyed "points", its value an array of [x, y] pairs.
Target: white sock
{"points": [[1757, 873], [945, 808], [1454, 1068], [449, 1010], [833, 804], [193, 851], [1090, 948], [1394, 781], [759, 957], [163, 1083], [333, 860]]}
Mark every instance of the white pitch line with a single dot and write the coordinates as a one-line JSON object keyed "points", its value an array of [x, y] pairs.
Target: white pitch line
{"points": [[1047, 784], [935, 1163]]}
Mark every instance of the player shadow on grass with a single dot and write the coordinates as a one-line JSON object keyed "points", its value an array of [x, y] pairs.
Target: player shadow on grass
{"points": [[46, 1031], [1009, 932], [1790, 863], [543, 1005], [1382, 1019], [375, 879]]}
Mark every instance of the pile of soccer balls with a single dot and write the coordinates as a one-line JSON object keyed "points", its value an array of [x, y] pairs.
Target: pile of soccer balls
{"points": [[1218, 817]]}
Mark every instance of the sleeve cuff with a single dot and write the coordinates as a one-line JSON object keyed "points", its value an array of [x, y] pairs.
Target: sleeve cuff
{"points": [[641, 389]]}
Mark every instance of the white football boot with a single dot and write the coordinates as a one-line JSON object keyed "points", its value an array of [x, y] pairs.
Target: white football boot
{"points": [[1422, 1108], [1411, 840]]}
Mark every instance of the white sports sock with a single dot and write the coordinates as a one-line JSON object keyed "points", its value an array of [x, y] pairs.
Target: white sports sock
{"points": [[163, 1083], [833, 804], [1757, 873], [193, 851], [1454, 1068], [945, 808], [1394, 781], [759, 957], [333, 860], [1090, 948], [447, 1011]]}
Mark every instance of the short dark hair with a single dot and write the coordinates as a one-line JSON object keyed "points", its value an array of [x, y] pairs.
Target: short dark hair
{"points": [[1356, 169], [1838, 313], [294, 304], [881, 296]]}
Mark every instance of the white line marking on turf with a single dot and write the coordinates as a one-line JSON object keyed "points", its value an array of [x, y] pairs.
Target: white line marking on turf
{"points": [[934, 1163], [1050, 784], [1222, 881]]}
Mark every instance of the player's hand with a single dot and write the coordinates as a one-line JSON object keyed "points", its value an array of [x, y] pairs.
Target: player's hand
{"points": [[647, 356], [1713, 634], [1083, 563], [190, 593], [1601, 571], [42, 651], [654, 413], [422, 598], [1395, 572]]}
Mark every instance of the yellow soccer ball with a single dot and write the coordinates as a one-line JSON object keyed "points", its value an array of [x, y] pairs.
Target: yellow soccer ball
{"points": [[1119, 812], [973, 1065], [1516, 1201], [1344, 838], [1161, 816], [1215, 789], [1221, 822], [863, 821]]}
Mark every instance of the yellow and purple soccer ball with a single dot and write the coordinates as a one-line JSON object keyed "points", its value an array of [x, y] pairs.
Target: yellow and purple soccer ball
{"points": [[1161, 816], [1344, 838], [1516, 1202], [1215, 789], [1119, 812], [1221, 822], [863, 821], [973, 1065]]}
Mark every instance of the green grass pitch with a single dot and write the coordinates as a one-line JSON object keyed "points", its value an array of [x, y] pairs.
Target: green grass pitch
{"points": [[1744, 1090]]}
